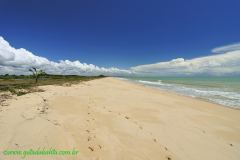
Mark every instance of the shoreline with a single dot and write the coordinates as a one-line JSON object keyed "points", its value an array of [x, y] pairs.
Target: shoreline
{"points": [[114, 119], [180, 94]]}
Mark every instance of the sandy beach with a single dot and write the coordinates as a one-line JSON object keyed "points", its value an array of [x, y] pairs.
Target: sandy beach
{"points": [[112, 119]]}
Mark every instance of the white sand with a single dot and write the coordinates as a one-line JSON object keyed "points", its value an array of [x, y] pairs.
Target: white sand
{"points": [[111, 119]]}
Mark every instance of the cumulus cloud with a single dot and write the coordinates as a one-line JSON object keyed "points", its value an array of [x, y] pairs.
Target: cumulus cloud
{"points": [[18, 61], [227, 63]]}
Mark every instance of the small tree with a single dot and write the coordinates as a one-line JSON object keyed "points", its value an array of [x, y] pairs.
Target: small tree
{"points": [[36, 73]]}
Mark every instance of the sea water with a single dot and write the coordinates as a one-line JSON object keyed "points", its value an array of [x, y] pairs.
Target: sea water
{"points": [[221, 90]]}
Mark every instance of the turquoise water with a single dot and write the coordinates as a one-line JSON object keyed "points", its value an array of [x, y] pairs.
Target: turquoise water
{"points": [[220, 90]]}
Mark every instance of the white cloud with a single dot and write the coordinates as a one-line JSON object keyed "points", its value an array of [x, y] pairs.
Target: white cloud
{"points": [[18, 61], [221, 64], [227, 48]]}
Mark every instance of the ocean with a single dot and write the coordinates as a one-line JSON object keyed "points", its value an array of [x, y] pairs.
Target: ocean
{"points": [[221, 90]]}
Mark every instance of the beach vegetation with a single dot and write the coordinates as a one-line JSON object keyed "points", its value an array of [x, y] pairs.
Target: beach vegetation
{"points": [[23, 84]]}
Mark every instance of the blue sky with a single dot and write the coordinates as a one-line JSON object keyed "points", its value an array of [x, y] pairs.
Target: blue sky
{"points": [[122, 34]]}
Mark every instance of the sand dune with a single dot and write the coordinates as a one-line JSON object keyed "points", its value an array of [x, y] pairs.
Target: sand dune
{"points": [[111, 119]]}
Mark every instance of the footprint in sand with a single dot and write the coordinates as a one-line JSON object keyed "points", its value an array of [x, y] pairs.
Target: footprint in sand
{"points": [[43, 107], [127, 117], [89, 139], [91, 148], [55, 123], [168, 158], [139, 126]]}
